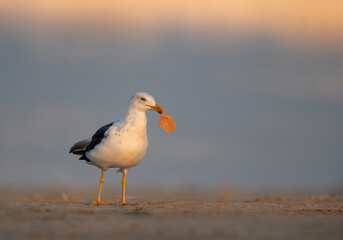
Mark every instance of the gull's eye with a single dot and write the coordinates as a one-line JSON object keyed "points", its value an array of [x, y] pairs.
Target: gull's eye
{"points": [[143, 99]]}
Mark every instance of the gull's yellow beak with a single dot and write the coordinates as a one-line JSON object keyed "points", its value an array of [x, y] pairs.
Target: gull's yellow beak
{"points": [[157, 109]]}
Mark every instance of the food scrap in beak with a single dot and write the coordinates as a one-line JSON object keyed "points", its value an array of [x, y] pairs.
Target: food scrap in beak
{"points": [[166, 122]]}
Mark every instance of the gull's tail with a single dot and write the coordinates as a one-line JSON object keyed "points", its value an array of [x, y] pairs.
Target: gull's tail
{"points": [[79, 148]]}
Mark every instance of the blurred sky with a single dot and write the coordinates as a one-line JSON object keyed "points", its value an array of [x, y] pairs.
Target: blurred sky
{"points": [[255, 88]]}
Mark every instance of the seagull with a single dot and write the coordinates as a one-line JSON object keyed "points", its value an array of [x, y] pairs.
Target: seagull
{"points": [[121, 144]]}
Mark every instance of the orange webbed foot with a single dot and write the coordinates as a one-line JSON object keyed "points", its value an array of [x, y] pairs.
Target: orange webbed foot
{"points": [[98, 203], [122, 203]]}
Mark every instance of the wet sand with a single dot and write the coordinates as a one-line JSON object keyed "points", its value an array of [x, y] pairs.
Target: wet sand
{"points": [[153, 214]]}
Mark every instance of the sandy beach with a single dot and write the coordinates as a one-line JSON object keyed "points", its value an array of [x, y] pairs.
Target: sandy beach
{"points": [[154, 214]]}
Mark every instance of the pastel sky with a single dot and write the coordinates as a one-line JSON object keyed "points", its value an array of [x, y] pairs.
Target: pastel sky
{"points": [[255, 88]]}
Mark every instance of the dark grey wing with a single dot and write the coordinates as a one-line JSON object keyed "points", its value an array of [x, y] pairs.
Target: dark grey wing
{"points": [[82, 147], [98, 136]]}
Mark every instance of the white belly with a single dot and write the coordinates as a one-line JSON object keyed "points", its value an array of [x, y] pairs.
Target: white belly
{"points": [[119, 151]]}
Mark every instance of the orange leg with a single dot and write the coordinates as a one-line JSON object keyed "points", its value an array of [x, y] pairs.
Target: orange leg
{"points": [[123, 183], [99, 202]]}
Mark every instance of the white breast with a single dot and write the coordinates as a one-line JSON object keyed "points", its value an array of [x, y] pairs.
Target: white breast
{"points": [[124, 147]]}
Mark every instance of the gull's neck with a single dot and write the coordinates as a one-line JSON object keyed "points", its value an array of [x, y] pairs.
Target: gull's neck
{"points": [[136, 120]]}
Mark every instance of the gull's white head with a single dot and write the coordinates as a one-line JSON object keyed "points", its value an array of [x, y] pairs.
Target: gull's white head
{"points": [[144, 102]]}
